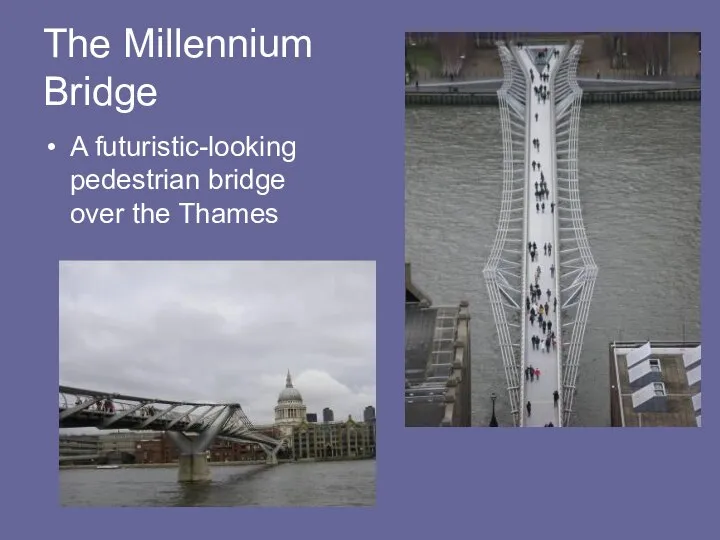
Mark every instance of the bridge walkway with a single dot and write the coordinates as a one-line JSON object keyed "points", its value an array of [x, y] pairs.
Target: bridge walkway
{"points": [[541, 230]]}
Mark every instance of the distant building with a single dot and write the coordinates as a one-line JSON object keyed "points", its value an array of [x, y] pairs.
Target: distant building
{"points": [[369, 413], [437, 361], [329, 440], [79, 448], [290, 409], [144, 447], [309, 440], [655, 384]]}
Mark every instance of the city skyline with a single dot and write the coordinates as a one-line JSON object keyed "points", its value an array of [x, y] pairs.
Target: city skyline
{"points": [[176, 330]]}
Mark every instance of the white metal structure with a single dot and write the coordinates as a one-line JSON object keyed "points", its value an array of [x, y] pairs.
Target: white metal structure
{"points": [[509, 271]]}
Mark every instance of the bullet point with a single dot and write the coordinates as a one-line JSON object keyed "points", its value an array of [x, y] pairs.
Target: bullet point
{"points": [[51, 146]]}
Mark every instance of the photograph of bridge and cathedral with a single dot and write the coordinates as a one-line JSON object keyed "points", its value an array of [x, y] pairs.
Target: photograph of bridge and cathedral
{"points": [[552, 211], [164, 364]]}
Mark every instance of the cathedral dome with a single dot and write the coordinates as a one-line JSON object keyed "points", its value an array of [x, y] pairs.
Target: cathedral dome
{"points": [[289, 393]]}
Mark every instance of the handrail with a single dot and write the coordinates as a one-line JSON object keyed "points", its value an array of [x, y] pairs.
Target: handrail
{"points": [[493, 273], [568, 95]]}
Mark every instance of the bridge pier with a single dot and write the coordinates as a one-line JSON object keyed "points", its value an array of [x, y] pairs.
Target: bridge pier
{"points": [[271, 453], [193, 468], [193, 463]]}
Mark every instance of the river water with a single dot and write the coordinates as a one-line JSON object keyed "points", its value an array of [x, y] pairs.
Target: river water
{"points": [[640, 188], [342, 483]]}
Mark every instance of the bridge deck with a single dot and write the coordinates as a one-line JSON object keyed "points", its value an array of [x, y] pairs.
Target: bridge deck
{"points": [[541, 229]]}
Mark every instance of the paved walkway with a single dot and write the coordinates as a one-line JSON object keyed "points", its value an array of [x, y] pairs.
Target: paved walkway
{"points": [[541, 230]]}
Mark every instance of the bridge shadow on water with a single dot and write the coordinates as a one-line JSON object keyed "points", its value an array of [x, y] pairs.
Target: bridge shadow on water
{"points": [[223, 492]]}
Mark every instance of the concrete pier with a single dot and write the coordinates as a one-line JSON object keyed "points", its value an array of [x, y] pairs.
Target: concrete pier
{"points": [[193, 468]]}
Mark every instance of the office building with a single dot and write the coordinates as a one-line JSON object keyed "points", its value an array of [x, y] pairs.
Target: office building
{"points": [[655, 384]]}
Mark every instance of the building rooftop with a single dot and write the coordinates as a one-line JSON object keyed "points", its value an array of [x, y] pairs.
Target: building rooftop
{"points": [[432, 371], [667, 373]]}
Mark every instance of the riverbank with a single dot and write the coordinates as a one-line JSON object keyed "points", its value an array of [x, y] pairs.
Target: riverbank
{"points": [[460, 97], [214, 463]]}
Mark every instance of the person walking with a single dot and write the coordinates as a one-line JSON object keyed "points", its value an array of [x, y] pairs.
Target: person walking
{"points": [[529, 408], [537, 373], [556, 397]]}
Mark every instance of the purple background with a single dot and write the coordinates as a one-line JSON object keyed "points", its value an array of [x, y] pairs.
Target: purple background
{"points": [[344, 200]]}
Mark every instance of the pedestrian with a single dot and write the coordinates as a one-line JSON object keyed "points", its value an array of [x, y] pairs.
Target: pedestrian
{"points": [[527, 373], [545, 248], [556, 397], [537, 373], [532, 374], [537, 207], [552, 207], [533, 166], [543, 207], [536, 184], [549, 325], [549, 244], [552, 271], [536, 117], [544, 326], [529, 408], [555, 305], [527, 303], [547, 308]]}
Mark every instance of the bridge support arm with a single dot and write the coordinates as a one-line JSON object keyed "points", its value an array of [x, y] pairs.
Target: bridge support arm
{"points": [[193, 464], [271, 453]]}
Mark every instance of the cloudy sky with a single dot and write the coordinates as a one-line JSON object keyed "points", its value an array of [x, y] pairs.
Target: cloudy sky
{"points": [[222, 331]]}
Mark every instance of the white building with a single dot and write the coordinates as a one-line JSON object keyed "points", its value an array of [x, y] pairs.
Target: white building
{"points": [[290, 410]]}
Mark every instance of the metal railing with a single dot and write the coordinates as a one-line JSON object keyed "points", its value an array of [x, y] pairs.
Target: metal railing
{"points": [[575, 279], [503, 273]]}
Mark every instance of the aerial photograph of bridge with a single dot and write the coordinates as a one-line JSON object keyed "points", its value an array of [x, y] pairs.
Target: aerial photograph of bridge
{"points": [[566, 243], [217, 383]]}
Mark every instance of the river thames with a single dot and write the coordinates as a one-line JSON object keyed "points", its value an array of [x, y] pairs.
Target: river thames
{"points": [[341, 483], [640, 191]]}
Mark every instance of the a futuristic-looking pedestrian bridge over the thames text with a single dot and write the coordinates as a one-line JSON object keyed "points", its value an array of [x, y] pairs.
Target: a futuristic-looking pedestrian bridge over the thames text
{"points": [[203, 421], [540, 237]]}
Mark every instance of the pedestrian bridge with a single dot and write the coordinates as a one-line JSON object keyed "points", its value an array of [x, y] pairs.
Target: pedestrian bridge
{"points": [[191, 426], [540, 241]]}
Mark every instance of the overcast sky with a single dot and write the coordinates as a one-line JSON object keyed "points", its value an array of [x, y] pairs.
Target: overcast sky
{"points": [[222, 331]]}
